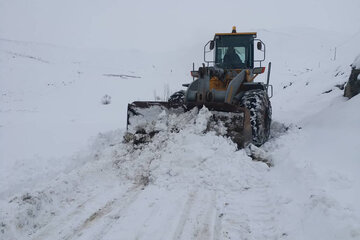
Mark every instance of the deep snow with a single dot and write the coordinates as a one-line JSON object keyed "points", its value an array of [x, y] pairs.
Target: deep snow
{"points": [[67, 174]]}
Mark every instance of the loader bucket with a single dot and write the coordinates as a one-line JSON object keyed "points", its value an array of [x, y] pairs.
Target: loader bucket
{"points": [[141, 113], [142, 118]]}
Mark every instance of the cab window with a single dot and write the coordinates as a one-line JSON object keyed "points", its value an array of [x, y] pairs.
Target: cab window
{"points": [[233, 51]]}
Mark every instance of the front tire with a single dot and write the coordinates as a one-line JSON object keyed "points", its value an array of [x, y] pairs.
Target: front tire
{"points": [[258, 103]]}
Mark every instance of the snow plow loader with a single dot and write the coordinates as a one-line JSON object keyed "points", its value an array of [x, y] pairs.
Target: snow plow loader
{"points": [[225, 86]]}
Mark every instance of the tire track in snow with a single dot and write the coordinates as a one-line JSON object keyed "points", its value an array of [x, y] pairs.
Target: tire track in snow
{"points": [[199, 216], [63, 227], [184, 215], [263, 219], [207, 218], [63, 220], [251, 215], [117, 213], [218, 223], [120, 204]]}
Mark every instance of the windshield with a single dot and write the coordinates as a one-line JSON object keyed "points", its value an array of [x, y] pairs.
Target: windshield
{"points": [[234, 51]]}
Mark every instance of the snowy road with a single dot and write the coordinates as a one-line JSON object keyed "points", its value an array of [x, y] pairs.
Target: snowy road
{"points": [[167, 189], [128, 191], [156, 213]]}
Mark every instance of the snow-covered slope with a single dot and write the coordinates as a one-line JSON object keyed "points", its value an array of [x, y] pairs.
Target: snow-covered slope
{"points": [[181, 185], [51, 103]]}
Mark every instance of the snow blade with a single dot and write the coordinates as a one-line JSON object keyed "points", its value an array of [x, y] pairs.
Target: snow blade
{"points": [[143, 118], [236, 122], [140, 114]]}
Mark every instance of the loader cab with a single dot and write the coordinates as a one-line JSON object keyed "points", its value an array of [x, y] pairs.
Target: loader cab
{"points": [[233, 50]]}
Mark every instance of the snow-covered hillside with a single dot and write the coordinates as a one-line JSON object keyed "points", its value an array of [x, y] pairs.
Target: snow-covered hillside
{"points": [[51, 103], [66, 173]]}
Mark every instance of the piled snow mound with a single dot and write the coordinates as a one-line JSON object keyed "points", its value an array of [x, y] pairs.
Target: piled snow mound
{"points": [[191, 155]]}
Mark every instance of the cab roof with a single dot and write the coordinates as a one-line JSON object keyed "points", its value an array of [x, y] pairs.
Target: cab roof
{"points": [[240, 33]]}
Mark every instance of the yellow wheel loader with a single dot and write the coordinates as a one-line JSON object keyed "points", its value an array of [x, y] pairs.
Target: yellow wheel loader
{"points": [[225, 85]]}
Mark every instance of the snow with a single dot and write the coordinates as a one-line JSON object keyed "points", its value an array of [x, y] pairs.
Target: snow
{"points": [[318, 177], [66, 171]]}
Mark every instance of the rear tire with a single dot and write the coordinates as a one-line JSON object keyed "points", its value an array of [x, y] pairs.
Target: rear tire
{"points": [[258, 103], [177, 97]]}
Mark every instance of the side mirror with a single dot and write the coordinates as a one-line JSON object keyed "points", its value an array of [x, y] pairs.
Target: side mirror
{"points": [[259, 70], [259, 45], [209, 46], [212, 44], [259, 55]]}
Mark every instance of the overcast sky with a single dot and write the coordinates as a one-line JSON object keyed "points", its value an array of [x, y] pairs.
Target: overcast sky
{"points": [[164, 24]]}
